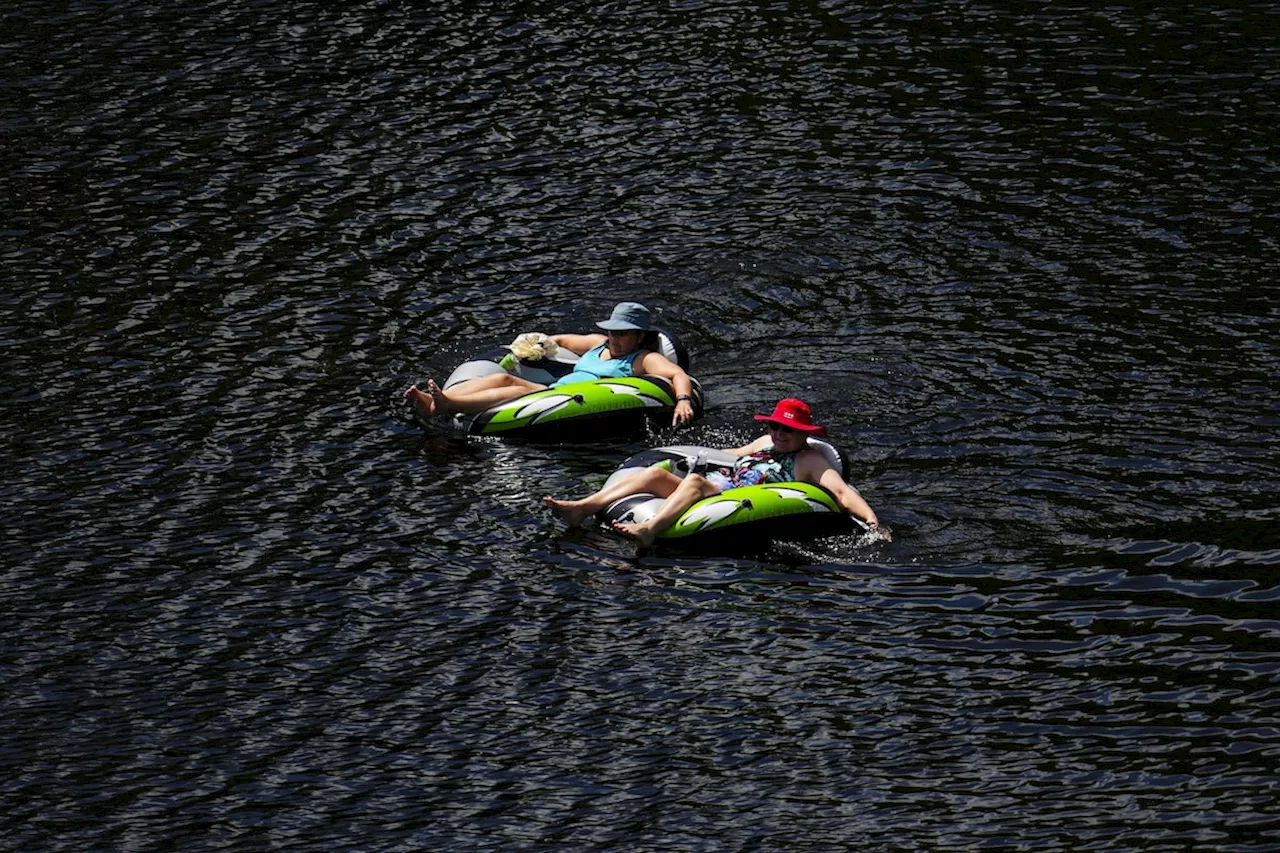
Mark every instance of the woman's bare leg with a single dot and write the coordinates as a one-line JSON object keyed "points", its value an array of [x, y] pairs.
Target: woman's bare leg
{"points": [[692, 489], [654, 480], [473, 395]]}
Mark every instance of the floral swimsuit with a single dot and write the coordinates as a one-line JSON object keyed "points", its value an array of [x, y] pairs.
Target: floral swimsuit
{"points": [[763, 466]]}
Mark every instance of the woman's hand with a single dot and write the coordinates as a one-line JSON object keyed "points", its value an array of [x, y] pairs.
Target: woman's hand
{"points": [[683, 413], [874, 523]]}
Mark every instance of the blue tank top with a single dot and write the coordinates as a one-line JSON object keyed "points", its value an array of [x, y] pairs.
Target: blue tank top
{"points": [[592, 366]]}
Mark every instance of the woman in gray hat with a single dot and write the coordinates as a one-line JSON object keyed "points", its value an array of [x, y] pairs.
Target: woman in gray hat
{"points": [[612, 355]]}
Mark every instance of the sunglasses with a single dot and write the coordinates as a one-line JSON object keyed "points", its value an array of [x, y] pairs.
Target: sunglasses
{"points": [[782, 428]]}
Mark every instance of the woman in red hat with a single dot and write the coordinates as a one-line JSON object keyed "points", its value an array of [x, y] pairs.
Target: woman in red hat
{"points": [[780, 455]]}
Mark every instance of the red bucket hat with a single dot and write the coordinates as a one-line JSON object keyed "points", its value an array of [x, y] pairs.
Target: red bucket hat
{"points": [[795, 414]]}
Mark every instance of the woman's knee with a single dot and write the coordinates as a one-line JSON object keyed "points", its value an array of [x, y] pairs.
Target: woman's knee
{"points": [[480, 383], [700, 485]]}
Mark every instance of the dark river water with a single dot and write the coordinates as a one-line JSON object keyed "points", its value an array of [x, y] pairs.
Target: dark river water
{"points": [[1021, 259]]}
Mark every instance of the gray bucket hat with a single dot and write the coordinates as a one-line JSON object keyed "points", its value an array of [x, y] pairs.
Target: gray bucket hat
{"points": [[627, 316]]}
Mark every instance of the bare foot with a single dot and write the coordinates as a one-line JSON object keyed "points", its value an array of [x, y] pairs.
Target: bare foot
{"points": [[639, 532], [571, 513], [423, 404], [442, 403]]}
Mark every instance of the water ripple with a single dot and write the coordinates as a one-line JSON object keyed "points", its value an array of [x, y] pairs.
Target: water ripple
{"points": [[1019, 263]]}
